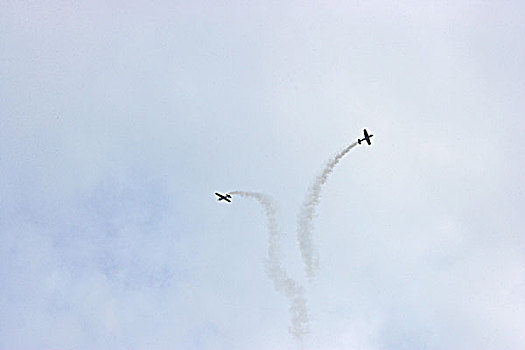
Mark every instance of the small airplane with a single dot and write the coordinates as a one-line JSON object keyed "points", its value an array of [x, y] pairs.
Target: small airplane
{"points": [[367, 138], [225, 197]]}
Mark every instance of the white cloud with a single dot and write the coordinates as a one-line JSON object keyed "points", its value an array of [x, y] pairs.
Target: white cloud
{"points": [[119, 122]]}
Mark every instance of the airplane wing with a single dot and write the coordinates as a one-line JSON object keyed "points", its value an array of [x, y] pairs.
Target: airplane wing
{"points": [[367, 137]]}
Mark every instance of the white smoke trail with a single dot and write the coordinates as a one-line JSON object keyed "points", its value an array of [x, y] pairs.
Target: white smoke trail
{"points": [[281, 281], [307, 213]]}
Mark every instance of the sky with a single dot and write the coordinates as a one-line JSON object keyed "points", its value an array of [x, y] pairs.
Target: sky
{"points": [[119, 120]]}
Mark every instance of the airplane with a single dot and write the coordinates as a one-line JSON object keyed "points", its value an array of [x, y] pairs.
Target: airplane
{"points": [[367, 138], [225, 197]]}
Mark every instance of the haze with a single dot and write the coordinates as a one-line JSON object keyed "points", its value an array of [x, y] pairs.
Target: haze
{"points": [[119, 121]]}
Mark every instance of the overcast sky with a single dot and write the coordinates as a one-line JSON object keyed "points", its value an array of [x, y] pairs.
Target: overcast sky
{"points": [[119, 119]]}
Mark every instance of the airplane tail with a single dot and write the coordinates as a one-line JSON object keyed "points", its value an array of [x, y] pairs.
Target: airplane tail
{"points": [[358, 141]]}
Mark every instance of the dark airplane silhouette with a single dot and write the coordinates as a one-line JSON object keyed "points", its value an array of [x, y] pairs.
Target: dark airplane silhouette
{"points": [[225, 197], [367, 138]]}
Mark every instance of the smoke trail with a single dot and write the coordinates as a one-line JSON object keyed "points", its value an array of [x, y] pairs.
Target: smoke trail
{"points": [[281, 281], [307, 213]]}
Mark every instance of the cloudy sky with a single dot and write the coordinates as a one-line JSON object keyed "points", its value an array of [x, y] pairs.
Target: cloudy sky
{"points": [[119, 119]]}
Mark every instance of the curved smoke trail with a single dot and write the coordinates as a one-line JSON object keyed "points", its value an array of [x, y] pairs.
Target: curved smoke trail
{"points": [[281, 281], [308, 211]]}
